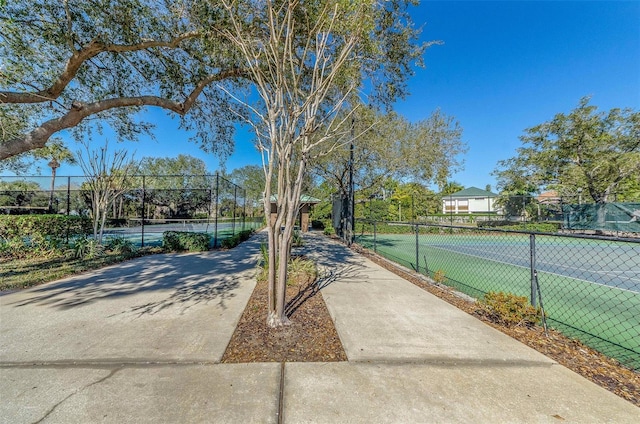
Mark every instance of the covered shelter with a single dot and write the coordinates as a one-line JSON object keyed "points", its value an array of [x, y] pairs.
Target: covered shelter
{"points": [[302, 219]]}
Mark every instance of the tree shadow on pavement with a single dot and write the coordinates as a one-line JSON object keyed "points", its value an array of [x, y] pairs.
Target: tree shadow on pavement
{"points": [[335, 261], [187, 280]]}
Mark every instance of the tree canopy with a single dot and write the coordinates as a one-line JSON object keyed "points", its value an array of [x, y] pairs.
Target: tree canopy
{"points": [[81, 65], [597, 152], [389, 146]]}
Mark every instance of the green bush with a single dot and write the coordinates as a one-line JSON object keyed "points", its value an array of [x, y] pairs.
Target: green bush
{"points": [[87, 248], [387, 228], [121, 246], [236, 239], [297, 239], [44, 231], [328, 230], [536, 227], [177, 241], [510, 310], [317, 224]]}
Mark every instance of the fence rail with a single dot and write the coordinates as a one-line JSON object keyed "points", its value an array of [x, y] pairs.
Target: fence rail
{"points": [[145, 206], [590, 286]]}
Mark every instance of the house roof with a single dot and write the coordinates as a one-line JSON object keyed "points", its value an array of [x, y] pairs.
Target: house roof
{"points": [[548, 197], [303, 199], [471, 192]]}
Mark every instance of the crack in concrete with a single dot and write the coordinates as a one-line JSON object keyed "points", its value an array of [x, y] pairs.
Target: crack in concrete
{"points": [[86, 386]]}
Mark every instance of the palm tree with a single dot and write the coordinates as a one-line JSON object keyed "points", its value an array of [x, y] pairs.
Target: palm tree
{"points": [[57, 153]]}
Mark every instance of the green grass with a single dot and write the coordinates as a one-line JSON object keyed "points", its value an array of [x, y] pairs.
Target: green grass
{"points": [[603, 317]]}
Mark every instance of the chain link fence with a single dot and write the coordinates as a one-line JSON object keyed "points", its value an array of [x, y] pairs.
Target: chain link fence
{"points": [[144, 207], [577, 213], [589, 285]]}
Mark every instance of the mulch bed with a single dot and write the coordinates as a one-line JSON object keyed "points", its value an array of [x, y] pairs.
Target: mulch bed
{"points": [[311, 336]]}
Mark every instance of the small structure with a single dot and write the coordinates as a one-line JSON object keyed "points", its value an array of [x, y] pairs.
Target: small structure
{"points": [[550, 197], [470, 200], [302, 220]]}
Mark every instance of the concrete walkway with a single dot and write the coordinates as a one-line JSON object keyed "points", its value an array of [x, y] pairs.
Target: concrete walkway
{"points": [[142, 342]]}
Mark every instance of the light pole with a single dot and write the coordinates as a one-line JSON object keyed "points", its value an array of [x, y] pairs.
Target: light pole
{"points": [[53, 164], [351, 206], [580, 195]]}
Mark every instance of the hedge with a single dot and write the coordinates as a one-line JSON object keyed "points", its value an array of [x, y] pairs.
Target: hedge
{"points": [[177, 241], [38, 228], [536, 227], [236, 239]]}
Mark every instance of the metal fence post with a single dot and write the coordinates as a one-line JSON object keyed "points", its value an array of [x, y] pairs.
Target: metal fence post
{"points": [[417, 249], [534, 282], [235, 204], [144, 195], [68, 195], [244, 208], [215, 222], [375, 244]]}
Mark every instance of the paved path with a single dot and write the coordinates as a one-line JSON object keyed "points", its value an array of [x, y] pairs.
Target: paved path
{"points": [[142, 341]]}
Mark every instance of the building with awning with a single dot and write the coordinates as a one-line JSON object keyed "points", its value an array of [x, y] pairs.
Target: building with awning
{"points": [[302, 219]]}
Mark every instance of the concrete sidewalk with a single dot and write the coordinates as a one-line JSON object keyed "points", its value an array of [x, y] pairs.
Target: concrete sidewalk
{"points": [[415, 358], [142, 342]]}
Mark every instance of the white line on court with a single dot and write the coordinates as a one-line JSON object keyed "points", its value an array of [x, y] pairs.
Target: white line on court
{"points": [[525, 267]]}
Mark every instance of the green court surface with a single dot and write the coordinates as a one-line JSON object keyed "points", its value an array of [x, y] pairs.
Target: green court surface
{"points": [[590, 288], [153, 233]]}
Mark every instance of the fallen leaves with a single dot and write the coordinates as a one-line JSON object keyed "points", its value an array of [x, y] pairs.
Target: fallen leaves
{"points": [[311, 337]]}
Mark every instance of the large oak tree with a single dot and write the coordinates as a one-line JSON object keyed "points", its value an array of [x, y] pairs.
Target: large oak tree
{"points": [[597, 152], [78, 65]]}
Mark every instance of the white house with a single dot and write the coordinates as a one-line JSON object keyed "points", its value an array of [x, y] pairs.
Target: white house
{"points": [[470, 200]]}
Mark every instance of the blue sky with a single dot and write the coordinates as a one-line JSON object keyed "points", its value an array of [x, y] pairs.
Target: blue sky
{"points": [[504, 66]]}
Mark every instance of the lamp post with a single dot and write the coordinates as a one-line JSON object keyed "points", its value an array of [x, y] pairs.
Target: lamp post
{"points": [[580, 195], [54, 165], [351, 200]]}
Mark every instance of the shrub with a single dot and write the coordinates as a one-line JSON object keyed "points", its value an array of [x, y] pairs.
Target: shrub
{"points": [[297, 239], [317, 224], [536, 227], [14, 247], [177, 241], [89, 248], [510, 310], [300, 269], [439, 277], [43, 230], [121, 246], [328, 230], [236, 239]]}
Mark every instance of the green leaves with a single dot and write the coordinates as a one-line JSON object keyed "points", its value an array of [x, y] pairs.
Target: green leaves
{"points": [[58, 53], [595, 151]]}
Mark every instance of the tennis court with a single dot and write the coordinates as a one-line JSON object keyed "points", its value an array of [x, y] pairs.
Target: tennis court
{"points": [[590, 288], [151, 232]]}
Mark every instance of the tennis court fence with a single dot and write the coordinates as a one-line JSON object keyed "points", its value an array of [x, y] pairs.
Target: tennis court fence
{"points": [[143, 206], [588, 286]]}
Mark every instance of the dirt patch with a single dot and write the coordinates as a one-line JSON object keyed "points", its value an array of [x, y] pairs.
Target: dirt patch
{"points": [[311, 337], [589, 363]]}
